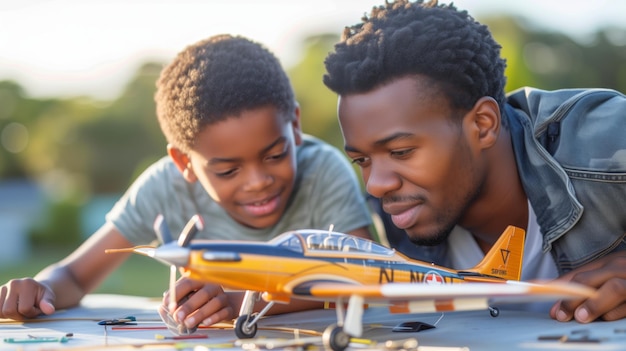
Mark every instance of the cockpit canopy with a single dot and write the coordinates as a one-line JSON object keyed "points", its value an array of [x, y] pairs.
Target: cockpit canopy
{"points": [[311, 240]]}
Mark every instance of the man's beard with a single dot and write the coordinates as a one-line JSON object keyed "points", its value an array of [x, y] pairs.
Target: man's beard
{"points": [[447, 221], [434, 239]]}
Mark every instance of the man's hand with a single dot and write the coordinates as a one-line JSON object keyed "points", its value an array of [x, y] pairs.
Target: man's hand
{"points": [[204, 304], [25, 298], [608, 276]]}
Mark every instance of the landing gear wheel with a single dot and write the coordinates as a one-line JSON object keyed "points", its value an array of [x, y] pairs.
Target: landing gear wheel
{"points": [[335, 338], [243, 329], [494, 311]]}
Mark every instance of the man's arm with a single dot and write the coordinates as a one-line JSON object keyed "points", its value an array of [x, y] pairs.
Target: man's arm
{"points": [[608, 275]]}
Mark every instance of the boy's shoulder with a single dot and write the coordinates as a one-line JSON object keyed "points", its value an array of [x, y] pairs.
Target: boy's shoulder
{"points": [[160, 174], [312, 145], [315, 153]]}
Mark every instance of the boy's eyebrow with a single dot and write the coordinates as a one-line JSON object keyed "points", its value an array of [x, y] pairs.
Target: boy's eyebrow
{"points": [[383, 141], [216, 160]]}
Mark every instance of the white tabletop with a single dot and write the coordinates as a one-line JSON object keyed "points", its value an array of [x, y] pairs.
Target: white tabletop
{"points": [[512, 330]]}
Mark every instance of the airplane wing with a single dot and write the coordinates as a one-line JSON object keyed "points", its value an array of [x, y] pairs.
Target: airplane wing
{"points": [[411, 297], [404, 291], [428, 298]]}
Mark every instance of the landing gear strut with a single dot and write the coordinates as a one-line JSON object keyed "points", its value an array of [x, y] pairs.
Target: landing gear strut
{"points": [[246, 323]]}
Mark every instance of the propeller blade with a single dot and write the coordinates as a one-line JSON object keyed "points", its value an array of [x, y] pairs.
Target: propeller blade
{"points": [[161, 229], [192, 227], [173, 301]]}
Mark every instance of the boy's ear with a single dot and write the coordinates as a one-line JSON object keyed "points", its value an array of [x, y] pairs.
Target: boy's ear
{"points": [[182, 162], [296, 127], [486, 121]]}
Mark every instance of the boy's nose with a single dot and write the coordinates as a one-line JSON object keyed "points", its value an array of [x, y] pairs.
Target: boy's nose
{"points": [[258, 179]]}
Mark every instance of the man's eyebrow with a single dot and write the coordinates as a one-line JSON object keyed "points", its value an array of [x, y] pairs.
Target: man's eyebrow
{"points": [[217, 160], [383, 141]]}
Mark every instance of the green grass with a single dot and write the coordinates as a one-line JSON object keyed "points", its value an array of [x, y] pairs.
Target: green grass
{"points": [[139, 276]]}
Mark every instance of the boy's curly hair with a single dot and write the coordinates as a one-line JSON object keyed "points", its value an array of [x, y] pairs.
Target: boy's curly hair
{"points": [[401, 39], [215, 79]]}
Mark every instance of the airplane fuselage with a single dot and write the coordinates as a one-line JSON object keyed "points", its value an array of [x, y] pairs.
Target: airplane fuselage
{"points": [[278, 269]]}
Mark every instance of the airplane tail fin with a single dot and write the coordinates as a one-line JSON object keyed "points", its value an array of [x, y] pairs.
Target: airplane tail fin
{"points": [[504, 259]]}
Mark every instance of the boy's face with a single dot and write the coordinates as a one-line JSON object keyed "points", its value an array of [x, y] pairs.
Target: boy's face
{"points": [[422, 164], [247, 164]]}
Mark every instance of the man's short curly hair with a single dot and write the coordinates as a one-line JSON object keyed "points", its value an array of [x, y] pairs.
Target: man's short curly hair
{"points": [[401, 39], [215, 79]]}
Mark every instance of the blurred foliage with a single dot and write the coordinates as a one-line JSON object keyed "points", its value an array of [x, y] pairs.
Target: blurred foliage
{"points": [[81, 146], [318, 105], [59, 227]]}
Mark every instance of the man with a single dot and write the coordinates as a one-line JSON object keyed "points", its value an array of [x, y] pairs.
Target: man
{"points": [[452, 161]]}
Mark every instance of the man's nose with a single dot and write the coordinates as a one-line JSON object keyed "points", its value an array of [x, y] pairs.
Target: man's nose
{"points": [[381, 179]]}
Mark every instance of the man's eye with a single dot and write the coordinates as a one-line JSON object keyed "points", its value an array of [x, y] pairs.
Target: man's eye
{"points": [[360, 161], [401, 152]]}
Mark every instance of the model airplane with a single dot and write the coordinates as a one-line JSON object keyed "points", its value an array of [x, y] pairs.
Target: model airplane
{"points": [[330, 266]]}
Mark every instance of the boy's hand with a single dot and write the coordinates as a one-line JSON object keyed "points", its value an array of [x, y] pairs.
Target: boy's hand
{"points": [[608, 275], [25, 298], [205, 304]]}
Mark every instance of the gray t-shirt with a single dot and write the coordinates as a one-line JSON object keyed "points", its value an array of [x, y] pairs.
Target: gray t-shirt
{"points": [[326, 193]]}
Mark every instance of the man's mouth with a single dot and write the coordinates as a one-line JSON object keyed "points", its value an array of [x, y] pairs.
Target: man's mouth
{"points": [[403, 215]]}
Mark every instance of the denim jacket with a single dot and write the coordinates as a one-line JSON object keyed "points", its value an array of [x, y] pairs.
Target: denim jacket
{"points": [[570, 149]]}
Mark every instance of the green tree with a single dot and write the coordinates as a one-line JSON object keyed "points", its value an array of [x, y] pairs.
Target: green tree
{"points": [[124, 137], [317, 103]]}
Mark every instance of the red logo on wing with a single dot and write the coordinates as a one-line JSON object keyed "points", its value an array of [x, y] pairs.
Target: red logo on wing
{"points": [[433, 277]]}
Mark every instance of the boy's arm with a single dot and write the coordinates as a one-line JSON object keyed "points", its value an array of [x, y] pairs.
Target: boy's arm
{"points": [[64, 284]]}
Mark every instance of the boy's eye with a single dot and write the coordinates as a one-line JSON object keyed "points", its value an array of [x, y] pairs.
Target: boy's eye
{"points": [[226, 173], [277, 156], [282, 153]]}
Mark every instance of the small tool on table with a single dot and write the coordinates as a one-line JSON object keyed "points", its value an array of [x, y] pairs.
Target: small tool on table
{"points": [[129, 320]]}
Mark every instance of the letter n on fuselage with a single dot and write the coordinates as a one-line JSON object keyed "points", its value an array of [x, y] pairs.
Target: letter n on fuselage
{"points": [[385, 276]]}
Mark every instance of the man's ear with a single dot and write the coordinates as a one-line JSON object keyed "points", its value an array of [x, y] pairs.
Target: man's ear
{"points": [[296, 126], [182, 162], [486, 121]]}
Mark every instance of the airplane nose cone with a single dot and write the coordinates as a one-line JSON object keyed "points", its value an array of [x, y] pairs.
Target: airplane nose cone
{"points": [[172, 255]]}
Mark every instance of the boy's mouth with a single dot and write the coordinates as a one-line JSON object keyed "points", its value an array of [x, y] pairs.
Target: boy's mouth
{"points": [[263, 207]]}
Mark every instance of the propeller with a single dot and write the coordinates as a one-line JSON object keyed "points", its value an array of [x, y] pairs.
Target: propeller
{"points": [[193, 226], [162, 230]]}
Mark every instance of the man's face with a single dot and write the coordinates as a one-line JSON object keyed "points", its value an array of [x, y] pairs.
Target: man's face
{"points": [[248, 164], [414, 155]]}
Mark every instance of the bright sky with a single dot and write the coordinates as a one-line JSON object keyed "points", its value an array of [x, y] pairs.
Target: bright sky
{"points": [[90, 47]]}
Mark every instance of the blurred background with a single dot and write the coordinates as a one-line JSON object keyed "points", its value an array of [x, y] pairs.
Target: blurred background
{"points": [[77, 79]]}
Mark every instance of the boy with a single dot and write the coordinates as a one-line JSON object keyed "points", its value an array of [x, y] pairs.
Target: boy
{"points": [[237, 157], [453, 161]]}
